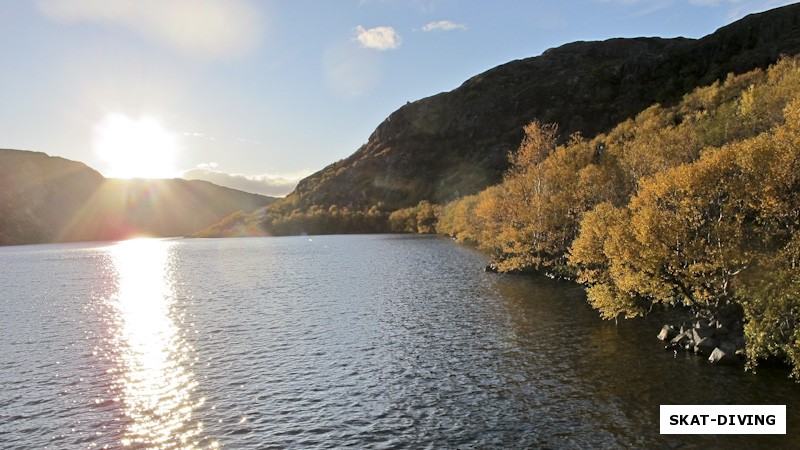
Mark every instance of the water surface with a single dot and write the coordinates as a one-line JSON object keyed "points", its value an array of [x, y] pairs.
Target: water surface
{"points": [[330, 342]]}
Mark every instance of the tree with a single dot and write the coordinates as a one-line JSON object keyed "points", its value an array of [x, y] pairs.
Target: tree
{"points": [[427, 215], [458, 219], [692, 230], [686, 235], [542, 200], [596, 252], [403, 221], [421, 218], [771, 302]]}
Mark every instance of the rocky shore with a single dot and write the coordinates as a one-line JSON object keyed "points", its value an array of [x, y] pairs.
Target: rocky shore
{"points": [[717, 335]]}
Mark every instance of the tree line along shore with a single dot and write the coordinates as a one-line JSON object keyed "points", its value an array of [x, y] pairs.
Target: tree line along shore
{"points": [[695, 204]]}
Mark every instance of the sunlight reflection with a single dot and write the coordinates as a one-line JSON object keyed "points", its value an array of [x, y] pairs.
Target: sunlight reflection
{"points": [[154, 362]]}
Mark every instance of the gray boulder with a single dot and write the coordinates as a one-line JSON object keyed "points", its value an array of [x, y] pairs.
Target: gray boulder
{"points": [[668, 332], [681, 340], [724, 355], [698, 334], [705, 346], [702, 322]]}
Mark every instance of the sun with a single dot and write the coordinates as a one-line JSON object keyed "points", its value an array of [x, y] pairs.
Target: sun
{"points": [[135, 148]]}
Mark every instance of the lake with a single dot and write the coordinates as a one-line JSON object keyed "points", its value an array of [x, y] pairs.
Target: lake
{"points": [[379, 341]]}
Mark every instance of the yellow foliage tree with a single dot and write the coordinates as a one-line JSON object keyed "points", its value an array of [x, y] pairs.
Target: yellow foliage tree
{"points": [[690, 231], [459, 220]]}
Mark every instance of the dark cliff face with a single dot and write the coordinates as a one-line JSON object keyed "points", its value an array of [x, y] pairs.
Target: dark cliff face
{"points": [[456, 143], [50, 199]]}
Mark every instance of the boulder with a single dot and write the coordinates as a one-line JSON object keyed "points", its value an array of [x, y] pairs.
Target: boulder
{"points": [[698, 334], [668, 332], [681, 340], [687, 325], [724, 355], [705, 346], [702, 322], [738, 342]]}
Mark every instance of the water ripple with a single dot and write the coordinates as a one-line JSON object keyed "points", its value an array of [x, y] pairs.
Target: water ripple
{"points": [[328, 342]]}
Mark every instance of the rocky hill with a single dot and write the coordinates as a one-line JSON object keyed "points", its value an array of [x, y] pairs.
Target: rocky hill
{"points": [[51, 199], [457, 142]]}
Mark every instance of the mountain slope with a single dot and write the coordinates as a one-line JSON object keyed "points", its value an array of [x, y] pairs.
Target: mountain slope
{"points": [[51, 199], [456, 143], [39, 194]]}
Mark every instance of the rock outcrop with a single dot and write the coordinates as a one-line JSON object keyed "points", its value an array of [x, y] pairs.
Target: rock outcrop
{"points": [[457, 142], [717, 335]]}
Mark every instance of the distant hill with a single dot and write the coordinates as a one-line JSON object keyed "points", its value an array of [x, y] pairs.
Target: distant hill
{"points": [[51, 199], [456, 143]]}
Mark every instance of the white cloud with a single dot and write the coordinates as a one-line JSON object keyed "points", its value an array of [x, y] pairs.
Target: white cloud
{"points": [[378, 38], [276, 185], [444, 25], [201, 28]]}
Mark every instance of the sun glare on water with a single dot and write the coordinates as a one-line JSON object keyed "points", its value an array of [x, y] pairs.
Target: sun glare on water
{"points": [[135, 148], [152, 366]]}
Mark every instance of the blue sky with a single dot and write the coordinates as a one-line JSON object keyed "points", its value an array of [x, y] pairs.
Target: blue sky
{"points": [[257, 94]]}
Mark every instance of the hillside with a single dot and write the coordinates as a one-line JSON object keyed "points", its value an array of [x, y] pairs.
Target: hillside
{"points": [[51, 199], [694, 205], [456, 143]]}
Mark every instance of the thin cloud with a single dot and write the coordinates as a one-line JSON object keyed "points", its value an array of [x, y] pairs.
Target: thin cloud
{"points": [[705, 2], [642, 7], [624, 2], [378, 38], [444, 25], [275, 185], [639, 2], [740, 9], [196, 135], [349, 71], [201, 28], [736, 9], [547, 21]]}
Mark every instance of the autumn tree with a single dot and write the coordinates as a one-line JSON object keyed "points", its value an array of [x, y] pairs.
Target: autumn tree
{"points": [[543, 198], [770, 297], [458, 219], [597, 253], [692, 230], [403, 221], [427, 215], [421, 218]]}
